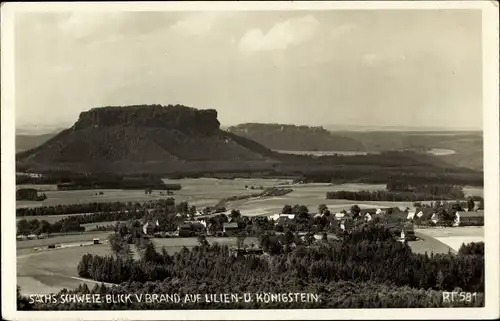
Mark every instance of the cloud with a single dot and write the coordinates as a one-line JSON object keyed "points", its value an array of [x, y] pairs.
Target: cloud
{"points": [[81, 24], [95, 27], [281, 35], [340, 31], [369, 59], [197, 24], [372, 59]]}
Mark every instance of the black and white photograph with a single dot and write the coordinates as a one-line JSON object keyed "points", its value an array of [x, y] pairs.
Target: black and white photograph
{"points": [[250, 160]]}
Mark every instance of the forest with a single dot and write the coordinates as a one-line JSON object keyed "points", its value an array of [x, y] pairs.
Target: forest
{"points": [[404, 191], [390, 196], [450, 191]]}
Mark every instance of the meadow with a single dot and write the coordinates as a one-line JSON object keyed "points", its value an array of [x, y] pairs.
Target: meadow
{"points": [[204, 192], [454, 237], [428, 244], [197, 191]]}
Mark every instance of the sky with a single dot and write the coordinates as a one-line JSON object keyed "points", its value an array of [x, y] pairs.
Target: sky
{"points": [[415, 68]]}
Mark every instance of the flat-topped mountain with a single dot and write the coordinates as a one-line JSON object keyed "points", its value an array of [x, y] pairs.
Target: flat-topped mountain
{"points": [[296, 138], [147, 138]]}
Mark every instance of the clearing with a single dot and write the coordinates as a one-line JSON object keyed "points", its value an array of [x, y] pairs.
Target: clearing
{"points": [[454, 237]]}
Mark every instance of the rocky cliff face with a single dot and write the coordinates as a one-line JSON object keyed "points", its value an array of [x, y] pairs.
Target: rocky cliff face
{"points": [[177, 117]]}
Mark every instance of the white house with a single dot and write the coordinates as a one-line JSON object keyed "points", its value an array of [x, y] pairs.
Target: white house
{"points": [[410, 216], [339, 216], [368, 217], [203, 222], [289, 216], [145, 228], [274, 217], [420, 214], [434, 218]]}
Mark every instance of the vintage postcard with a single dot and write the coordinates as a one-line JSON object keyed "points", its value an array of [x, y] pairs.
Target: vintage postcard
{"points": [[250, 160]]}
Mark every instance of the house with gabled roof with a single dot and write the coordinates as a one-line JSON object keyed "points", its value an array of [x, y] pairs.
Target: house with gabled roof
{"points": [[471, 218], [231, 228]]}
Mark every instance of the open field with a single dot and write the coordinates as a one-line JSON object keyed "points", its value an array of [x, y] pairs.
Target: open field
{"points": [[454, 237], [473, 191], [428, 244], [198, 192], [207, 192], [52, 270], [464, 231]]}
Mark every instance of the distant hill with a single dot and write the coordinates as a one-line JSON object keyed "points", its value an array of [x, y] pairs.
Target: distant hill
{"points": [[25, 142], [296, 138], [35, 130], [467, 145], [144, 139]]}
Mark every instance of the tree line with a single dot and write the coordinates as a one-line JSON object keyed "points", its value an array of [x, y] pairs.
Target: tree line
{"points": [[443, 190], [91, 207], [370, 174], [390, 196]]}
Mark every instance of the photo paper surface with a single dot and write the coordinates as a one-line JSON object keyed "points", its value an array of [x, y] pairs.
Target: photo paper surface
{"points": [[233, 161]]}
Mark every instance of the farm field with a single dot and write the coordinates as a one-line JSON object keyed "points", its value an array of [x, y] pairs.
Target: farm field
{"points": [[207, 192], [454, 237], [429, 244], [473, 191], [53, 270], [198, 192]]}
